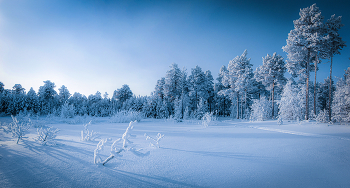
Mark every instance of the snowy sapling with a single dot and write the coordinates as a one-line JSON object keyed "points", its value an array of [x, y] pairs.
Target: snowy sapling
{"points": [[46, 135], [18, 129], [117, 148], [87, 135], [154, 141]]}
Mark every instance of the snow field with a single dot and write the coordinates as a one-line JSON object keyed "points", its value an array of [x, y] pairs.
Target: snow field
{"points": [[230, 153]]}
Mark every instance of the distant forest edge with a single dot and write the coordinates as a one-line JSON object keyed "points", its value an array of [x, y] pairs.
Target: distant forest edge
{"points": [[238, 92]]}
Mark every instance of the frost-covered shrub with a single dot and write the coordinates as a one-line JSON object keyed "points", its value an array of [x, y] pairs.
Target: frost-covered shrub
{"points": [[341, 100], [87, 135], [67, 110], [261, 110], [154, 141], [312, 115], [322, 116], [17, 128], [118, 146], [279, 120], [126, 116], [208, 119], [46, 135], [98, 150]]}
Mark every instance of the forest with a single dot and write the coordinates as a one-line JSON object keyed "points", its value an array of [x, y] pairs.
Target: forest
{"points": [[238, 91]]}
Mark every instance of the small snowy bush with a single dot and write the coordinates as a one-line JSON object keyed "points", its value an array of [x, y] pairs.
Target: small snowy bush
{"points": [[261, 110], [126, 116], [118, 146], [154, 141], [46, 135], [322, 116], [208, 119], [17, 128], [87, 135]]}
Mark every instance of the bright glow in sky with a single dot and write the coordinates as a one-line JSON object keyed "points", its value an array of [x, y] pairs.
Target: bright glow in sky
{"points": [[91, 46]]}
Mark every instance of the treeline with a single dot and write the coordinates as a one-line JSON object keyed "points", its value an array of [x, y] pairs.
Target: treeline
{"points": [[238, 91], [186, 97]]}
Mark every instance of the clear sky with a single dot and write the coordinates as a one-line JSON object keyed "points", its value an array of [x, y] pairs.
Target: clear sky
{"points": [[91, 46]]}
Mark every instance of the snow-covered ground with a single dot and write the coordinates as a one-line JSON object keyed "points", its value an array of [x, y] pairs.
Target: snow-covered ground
{"points": [[231, 153]]}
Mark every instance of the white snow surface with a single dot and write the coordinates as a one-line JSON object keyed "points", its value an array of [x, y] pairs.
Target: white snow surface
{"points": [[231, 153]]}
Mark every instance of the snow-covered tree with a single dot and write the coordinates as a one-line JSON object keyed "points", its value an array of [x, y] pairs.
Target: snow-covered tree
{"points": [[239, 78], [63, 94], [222, 102], [16, 100], [197, 86], [271, 75], [261, 109], [341, 99], [210, 89], [80, 103], [289, 105], [124, 93], [302, 44], [159, 89], [334, 45], [47, 98], [32, 101], [172, 86]]}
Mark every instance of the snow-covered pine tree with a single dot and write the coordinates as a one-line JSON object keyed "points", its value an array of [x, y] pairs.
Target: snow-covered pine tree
{"points": [[17, 100], [63, 95], [32, 101], [2, 98], [80, 103], [271, 75], [210, 90], [289, 106], [178, 109], [47, 97], [239, 78], [334, 45], [159, 89], [302, 44], [172, 87], [222, 102], [197, 87], [162, 109], [341, 99], [123, 93], [323, 94]]}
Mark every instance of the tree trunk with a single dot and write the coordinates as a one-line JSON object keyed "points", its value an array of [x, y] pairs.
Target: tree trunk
{"points": [[237, 105], [307, 86], [315, 85], [330, 92], [245, 103], [273, 100]]}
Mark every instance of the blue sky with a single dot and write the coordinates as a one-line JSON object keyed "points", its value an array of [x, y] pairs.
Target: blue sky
{"points": [[91, 46]]}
